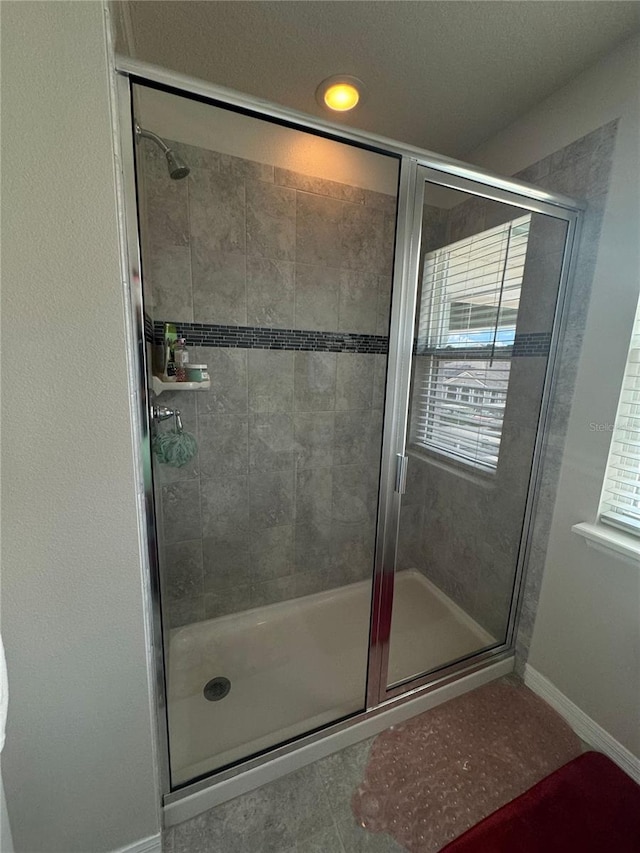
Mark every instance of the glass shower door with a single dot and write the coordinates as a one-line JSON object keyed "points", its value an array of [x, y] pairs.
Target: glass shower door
{"points": [[270, 251], [487, 280]]}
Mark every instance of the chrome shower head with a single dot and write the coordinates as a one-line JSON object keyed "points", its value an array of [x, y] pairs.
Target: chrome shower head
{"points": [[178, 169]]}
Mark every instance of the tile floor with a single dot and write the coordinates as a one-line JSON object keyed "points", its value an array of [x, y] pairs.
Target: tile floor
{"points": [[408, 778]]}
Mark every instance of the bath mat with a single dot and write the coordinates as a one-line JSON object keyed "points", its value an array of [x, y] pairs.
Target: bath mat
{"points": [[589, 805], [436, 775]]}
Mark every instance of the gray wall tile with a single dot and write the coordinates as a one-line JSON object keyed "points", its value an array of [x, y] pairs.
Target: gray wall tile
{"points": [[219, 286], [181, 511], [354, 381], [362, 237], [354, 494], [271, 498], [225, 561], [270, 442], [272, 552], [182, 573], [270, 381], [312, 547], [228, 371], [271, 221], [165, 201], [225, 600], [223, 443], [315, 381], [316, 297], [270, 293], [272, 591], [314, 488], [167, 273], [379, 381], [384, 305], [313, 439], [318, 230], [217, 213], [352, 550], [240, 168], [183, 611], [319, 186], [355, 434], [225, 506], [358, 310]]}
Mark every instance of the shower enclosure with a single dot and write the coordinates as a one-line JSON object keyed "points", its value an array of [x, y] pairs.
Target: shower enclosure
{"points": [[379, 328]]}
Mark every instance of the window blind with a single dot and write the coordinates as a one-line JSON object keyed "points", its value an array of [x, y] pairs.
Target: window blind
{"points": [[621, 492], [467, 320]]}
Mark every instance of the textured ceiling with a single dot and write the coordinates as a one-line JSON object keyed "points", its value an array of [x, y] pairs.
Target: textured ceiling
{"points": [[441, 75]]}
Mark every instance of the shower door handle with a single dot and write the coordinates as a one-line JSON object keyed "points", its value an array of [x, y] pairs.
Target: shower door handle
{"points": [[401, 473]]}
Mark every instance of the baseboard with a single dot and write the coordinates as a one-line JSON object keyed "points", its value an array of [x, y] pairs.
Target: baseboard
{"points": [[582, 724], [152, 844]]}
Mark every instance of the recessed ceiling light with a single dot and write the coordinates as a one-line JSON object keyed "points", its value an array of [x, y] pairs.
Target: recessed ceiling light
{"points": [[340, 92]]}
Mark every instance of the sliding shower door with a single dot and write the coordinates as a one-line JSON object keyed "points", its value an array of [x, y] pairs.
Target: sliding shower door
{"points": [[270, 250], [485, 274]]}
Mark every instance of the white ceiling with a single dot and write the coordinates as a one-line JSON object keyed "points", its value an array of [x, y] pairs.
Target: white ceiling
{"points": [[441, 74]]}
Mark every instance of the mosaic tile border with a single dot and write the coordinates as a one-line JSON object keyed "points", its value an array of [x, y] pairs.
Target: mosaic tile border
{"points": [[148, 328], [262, 337], [525, 345]]}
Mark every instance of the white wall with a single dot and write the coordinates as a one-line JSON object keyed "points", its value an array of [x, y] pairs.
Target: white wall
{"points": [[78, 762], [587, 632]]}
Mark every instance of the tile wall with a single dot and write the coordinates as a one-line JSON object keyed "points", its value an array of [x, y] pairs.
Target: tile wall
{"points": [[281, 499]]}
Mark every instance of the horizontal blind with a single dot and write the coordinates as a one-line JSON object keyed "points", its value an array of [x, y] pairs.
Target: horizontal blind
{"points": [[470, 298], [621, 493], [471, 288], [458, 408]]}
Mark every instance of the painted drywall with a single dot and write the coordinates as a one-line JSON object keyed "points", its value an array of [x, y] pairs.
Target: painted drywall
{"points": [[227, 132], [586, 639], [78, 761]]}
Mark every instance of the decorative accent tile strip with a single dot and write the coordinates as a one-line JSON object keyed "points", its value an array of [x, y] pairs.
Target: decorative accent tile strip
{"points": [[525, 345], [259, 337], [532, 343], [148, 328], [262, 337]]}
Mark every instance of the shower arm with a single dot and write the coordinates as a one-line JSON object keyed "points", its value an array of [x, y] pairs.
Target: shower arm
{"points": [[148, 134]]}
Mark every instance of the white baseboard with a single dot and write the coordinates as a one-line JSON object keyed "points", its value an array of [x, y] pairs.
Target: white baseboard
{"points": [[152, 844], [582, 724]]}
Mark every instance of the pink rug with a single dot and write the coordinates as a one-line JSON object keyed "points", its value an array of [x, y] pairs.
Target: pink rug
{"points": [[431, 778]]}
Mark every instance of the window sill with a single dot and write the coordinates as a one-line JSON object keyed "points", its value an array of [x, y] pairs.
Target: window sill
{"points": [[610, 541]]}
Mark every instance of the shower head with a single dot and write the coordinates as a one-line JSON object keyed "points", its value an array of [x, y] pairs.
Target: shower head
{"points": [[178, 169]]}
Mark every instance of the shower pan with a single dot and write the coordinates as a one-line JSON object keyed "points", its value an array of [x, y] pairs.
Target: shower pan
{"points": [[380, 326]]}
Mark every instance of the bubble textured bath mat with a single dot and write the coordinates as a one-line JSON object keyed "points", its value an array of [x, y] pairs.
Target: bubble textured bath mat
{"points": [[589, 805]]}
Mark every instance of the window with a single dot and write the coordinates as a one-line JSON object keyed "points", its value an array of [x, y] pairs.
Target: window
{"points": [[620, 503], [466, 328]]}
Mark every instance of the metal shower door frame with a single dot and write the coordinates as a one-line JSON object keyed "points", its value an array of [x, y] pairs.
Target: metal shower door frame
{"points": [[414, 178], [415, 164]]}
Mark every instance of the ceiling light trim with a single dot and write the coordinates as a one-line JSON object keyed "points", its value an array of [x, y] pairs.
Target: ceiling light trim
{"points": [[337, 80]]}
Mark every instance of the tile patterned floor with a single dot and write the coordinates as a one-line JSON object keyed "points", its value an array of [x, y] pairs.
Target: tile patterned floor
{"points": [[505, 736]]}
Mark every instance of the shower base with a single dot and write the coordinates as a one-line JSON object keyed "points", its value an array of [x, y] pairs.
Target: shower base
{"points": [[298, 665]]}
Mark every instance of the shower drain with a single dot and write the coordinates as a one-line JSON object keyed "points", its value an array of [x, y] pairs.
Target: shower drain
{"points": [[217, 688]]}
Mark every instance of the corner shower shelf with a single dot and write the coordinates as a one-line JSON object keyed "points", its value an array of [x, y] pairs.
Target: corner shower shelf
{"points": [[158, 386]]}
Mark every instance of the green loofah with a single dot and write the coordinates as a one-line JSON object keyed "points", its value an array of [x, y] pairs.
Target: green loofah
{"points": [[174, 447]]}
